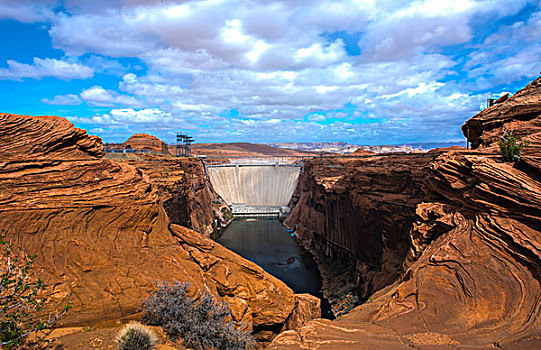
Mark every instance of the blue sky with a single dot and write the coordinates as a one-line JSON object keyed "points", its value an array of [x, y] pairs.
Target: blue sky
{"points": [[363, 72]]}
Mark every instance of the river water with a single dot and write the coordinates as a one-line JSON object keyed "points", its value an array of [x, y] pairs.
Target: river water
{"points": [[266, 243]]}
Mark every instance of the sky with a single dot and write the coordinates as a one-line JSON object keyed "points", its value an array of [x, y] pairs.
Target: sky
{"points": [[359, 71]]}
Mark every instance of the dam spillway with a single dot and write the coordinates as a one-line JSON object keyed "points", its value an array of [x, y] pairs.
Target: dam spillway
{"points": [[255, 185]]}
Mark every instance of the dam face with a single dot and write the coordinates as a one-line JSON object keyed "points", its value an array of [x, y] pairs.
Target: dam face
{"points": [[255, 186]]}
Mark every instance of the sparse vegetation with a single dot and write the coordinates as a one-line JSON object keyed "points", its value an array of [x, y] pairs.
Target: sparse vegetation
{"points": [[472, 181], [135, 336], [88, 328], [21, 298], [202, 324], [511, 146]]}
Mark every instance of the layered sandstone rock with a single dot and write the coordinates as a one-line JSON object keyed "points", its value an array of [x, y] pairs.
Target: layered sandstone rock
{"points": [[101, 238], [520, 114], [472, 276], [184, 190], [145, 143]]}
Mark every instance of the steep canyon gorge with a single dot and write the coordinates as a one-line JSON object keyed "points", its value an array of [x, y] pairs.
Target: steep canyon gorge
{"points": [[426, 250], [444, 246], [103, 238]]}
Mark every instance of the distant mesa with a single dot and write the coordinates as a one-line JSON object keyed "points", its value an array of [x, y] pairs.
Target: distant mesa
{"points": [[445, 149], [142, 143], [145, 143], [347, 148], [362, 152]]}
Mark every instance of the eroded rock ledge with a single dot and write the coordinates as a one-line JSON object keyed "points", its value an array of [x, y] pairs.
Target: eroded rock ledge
{"points": [[102, 238], [184, 190], [471, 276]]}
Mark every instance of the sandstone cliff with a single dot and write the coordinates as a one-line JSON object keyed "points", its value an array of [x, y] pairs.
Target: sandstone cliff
{"points": [[184, 190], [354, 214], [471, 277], [103, 240]]}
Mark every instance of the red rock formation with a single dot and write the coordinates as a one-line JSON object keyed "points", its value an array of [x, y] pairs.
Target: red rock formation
{"points": [[445, 149], [101, 238], [520, 114], [145, 143], [472, 276], [28, 136], [184, 190]]}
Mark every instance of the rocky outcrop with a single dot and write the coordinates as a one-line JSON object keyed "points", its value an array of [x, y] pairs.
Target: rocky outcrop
{"points": [[145, 143], [47, 137], [184, 190], [520, 114], [307, 307], [471, 278], [101, 237]]}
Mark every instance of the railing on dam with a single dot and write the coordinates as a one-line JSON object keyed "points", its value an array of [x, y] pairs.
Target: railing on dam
{"points": [[213, 162], [243, 210]]}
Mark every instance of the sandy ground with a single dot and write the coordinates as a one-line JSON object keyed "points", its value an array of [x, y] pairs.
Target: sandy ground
{"points": [[89, 337]]}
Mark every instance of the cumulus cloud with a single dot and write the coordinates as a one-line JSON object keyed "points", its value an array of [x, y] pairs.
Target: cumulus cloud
{"points": [[98, 96], [48, 67], [63, 100], [286, 67], [509, 55], [20, 11]]}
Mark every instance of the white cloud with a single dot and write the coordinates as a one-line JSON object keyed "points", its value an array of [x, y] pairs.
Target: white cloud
{"points": [[98, 96], [278, 62], [422, 88], [48, 67], [63, 100], [20, 11], [316, 117], [151, 115]]}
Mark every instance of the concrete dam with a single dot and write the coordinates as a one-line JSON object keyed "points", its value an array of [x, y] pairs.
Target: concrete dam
{"points": [[263, 186]]}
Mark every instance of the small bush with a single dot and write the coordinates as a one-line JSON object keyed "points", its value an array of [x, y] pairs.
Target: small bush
{"points": [[21, 297], [135, 336], [511, 146], [9, 333], [200, 324], [472, 181]]}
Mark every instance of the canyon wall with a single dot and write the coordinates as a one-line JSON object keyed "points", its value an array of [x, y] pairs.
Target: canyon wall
{"points": [[184, 190], [471, 276], [102, 238], [353, 214]]}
